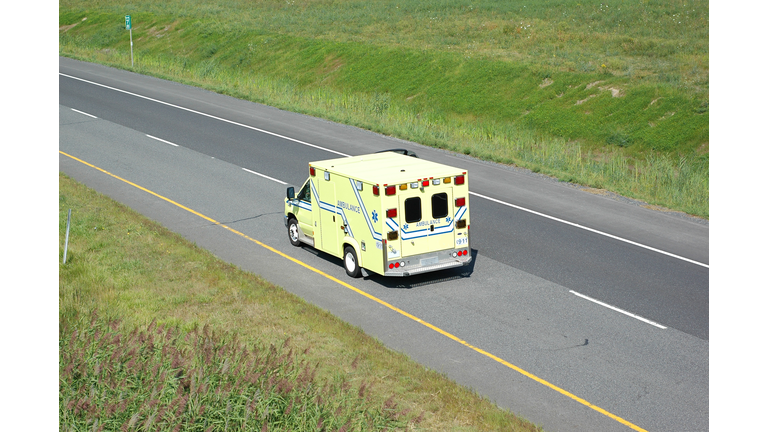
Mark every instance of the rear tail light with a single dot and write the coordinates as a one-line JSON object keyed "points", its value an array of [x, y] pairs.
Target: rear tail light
{"points": [[389, 190], [395, 265], [376, 190], [461, 202], [459, 180], [392, 213]]}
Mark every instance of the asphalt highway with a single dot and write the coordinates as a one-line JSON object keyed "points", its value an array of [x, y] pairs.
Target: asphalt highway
{"points": [[580, 312]]}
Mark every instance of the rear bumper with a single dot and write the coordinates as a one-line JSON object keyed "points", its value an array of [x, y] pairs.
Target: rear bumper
{"points": [[426, 263]]}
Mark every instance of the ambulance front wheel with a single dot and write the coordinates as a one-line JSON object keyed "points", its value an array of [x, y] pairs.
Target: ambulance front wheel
{"points": [[293, 232], [350, 262]]}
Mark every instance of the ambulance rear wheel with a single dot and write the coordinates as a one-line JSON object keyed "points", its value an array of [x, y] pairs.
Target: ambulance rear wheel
{"points": [[350, 262], [293, 232]]}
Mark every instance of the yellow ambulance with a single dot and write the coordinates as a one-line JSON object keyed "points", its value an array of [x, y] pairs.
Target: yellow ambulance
{"points": [[388, 213]]}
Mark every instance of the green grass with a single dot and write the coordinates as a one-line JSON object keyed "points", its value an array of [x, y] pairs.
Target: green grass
{"points": [[158, 378], [157, 334], [610, 96]]}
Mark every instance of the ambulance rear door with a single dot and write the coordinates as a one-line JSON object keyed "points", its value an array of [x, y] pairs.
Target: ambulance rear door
{"points": [[426, 218]]}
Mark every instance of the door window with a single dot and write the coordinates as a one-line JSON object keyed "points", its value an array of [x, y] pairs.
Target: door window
{"points": [[412, 210], [305, 194], [439, 205]]}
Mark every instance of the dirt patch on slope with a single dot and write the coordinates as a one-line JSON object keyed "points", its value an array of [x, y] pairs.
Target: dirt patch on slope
{"points": [[66, 28]]}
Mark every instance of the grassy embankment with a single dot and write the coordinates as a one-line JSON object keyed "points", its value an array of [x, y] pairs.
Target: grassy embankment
{"points": [[157, 334], [611, 96]]}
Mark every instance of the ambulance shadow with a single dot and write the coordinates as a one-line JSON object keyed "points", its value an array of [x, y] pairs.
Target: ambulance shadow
{"points": [[425, 279]]}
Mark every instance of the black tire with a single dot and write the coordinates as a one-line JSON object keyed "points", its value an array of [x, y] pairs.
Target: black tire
{"points": [[293, 232], [350, 262]]}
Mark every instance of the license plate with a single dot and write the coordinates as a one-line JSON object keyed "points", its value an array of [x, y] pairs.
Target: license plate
{"points": [[429, 261]]}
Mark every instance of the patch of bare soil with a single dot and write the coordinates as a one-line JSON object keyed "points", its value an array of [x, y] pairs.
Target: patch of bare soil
{"points": [[653, 102], [615, 92], [579, 102], [66, 28], [158, 33]]}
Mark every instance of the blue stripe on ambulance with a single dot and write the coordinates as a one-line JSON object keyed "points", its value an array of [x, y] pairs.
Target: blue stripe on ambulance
{"points": [[305, 205], [376, 236], [332, 208], [392, 225], [460, 213], [426, 232], [314, 191]]}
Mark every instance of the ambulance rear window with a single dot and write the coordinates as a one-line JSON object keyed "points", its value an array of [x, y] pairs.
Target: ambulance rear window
{"points": [[412, 210], [439, 205]]}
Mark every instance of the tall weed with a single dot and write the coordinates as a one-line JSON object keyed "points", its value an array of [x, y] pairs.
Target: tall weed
{"points": [[159, 377]]}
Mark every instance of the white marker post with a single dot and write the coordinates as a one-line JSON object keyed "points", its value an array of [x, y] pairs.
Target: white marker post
{"points": [[130, 32], [66, 239]]}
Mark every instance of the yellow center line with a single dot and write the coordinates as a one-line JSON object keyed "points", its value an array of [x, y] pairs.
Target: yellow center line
{"points": [[376, 299]]}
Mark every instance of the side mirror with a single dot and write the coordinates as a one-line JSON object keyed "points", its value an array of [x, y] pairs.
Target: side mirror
{"points": [[290, 193]]}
